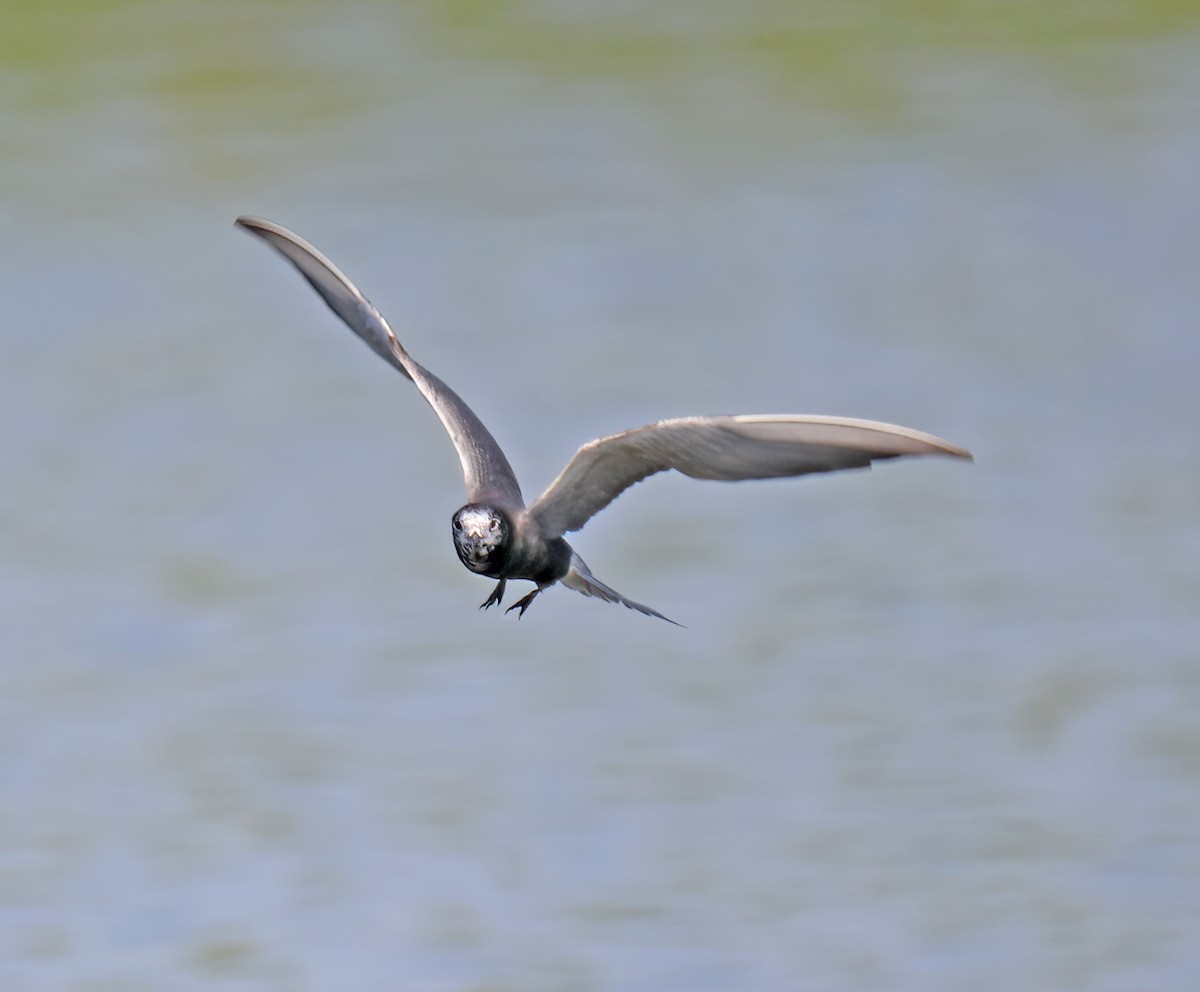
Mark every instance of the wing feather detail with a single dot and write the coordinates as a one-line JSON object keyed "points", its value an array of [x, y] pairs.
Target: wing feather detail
{"points": [[728, 448], [486, 472]]}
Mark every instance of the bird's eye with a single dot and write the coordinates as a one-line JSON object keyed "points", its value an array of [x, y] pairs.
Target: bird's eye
{"points": [[457, 524]]}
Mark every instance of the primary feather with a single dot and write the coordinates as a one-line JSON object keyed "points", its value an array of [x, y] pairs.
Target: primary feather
{"points": [[727, 448], [486, 472]]}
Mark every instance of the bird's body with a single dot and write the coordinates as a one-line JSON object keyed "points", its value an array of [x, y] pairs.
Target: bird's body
{"points": [[496, 535]]}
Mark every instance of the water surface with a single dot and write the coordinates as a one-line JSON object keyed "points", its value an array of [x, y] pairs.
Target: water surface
{"points": [[930, 727]]}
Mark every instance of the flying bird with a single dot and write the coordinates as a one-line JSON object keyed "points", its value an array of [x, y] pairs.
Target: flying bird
{"points": [[498, 536]]}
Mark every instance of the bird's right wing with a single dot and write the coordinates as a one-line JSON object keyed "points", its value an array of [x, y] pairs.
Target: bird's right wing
{"points": [[488, 476], [728, 448]]}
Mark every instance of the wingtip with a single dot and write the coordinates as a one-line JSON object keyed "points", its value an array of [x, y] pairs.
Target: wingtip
{"points": [[248, 222]]}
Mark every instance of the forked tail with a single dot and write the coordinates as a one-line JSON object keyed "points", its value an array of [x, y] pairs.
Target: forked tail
{"points": [[580, 578]]}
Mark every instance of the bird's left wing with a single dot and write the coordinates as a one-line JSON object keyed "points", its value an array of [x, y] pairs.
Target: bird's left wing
{"points": [[727, 448], [488, 476]]}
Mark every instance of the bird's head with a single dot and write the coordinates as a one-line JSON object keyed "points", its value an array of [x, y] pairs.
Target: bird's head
{"points": [[480, 537]]}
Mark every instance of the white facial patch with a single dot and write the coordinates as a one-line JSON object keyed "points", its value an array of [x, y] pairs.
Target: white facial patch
{"points": [[478, 524], [479, 533]]}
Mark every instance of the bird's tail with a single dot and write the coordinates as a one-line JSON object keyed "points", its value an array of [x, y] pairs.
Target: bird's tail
{"points": [[580, 578]]}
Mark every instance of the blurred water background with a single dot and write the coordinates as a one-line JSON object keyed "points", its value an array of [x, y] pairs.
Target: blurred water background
{"points": [[932, 727]]}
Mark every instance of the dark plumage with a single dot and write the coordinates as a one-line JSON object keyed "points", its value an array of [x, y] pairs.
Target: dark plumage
{"points": [[497, 535]]}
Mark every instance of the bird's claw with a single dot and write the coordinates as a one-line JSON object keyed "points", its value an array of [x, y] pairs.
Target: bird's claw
{"points": [[522, 604], [495, 597]]}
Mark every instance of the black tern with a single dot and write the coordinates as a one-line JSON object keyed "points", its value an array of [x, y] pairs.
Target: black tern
{"points": [[498, 536]]}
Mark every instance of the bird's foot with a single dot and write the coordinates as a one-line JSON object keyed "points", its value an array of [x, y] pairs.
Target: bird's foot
{"points": [[495, 597], [522, 604]]}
